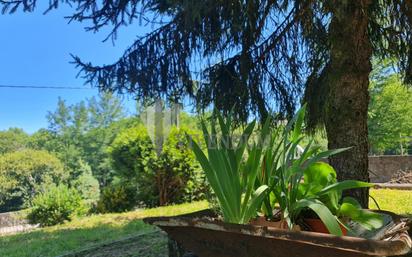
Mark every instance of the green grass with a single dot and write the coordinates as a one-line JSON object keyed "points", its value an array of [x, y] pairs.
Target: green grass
{"points": [[87, 232], [397, 201], [94, 230]]}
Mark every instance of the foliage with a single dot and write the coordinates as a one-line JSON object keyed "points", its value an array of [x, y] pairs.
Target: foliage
{"points": [[105, 110], [66, 127], [25, 173], [320, 192], [319, 176], [170, 177], [133, 156], [12, 140], [117, 198], [268, 49], [82, 132], [106, 120], [130, 145], [231, 179], [271, 173], [44, 139], [390, 116], [178, 176], [79, 135], [56, 205], [96, 145], [87, 186], [191, 121]]}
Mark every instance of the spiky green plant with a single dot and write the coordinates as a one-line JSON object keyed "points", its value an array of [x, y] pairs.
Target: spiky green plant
{"points": [[231, 167]]}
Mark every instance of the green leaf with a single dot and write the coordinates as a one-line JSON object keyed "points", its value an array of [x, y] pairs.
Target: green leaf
{"points": [[232, 181], [323, 213], [298, 124], [213, 180], [254, 203], [345, 185], [352, 209]]}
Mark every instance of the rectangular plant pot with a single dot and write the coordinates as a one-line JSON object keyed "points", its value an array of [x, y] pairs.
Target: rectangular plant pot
{"points": [[200, 233]]}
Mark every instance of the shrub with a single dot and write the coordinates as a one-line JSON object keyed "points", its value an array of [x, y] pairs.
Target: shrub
{"points": [[172, 177], [117, 198], [25, 173], [132, 152], [87, 185], [178, 176], [56, 205]]}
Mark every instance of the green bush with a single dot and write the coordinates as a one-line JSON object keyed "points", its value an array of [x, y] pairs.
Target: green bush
{"points": [[132, 152], [87, 185], [117, 198], [56, 205], [179, 173], [171, 177], [25, 173]]}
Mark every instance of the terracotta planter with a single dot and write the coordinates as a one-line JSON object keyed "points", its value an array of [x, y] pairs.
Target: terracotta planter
{"points": [[316, 225]]}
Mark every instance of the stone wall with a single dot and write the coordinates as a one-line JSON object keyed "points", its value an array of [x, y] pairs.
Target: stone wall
{"points": [[382, 167]]}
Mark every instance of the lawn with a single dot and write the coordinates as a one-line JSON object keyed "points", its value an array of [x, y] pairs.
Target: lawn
{"points": [[397, 201], [89, 231], [98, 230]]}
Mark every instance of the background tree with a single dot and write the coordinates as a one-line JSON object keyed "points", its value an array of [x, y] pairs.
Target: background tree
{"points": [[13, 139], [106, 110], [67, 125], [44, 139], [106, 119], [390, 116], [81, 133], [257, 56], [87, 186], [25, 173]]}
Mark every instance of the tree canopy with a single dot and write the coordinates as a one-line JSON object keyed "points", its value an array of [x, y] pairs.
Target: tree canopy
{"points": [[255, 55], [25, 173], [12, 140]]}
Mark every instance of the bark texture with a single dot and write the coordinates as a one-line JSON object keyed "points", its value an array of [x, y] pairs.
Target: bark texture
{"points": [[348, 80]]}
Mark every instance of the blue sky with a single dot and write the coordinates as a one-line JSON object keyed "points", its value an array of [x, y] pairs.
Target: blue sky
{"points": [[35, 51]]}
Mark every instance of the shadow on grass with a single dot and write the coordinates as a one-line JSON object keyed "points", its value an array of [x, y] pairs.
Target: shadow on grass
{"points": [[139, 240], [152, 244]]}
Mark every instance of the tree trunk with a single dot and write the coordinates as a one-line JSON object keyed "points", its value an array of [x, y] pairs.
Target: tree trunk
{"points": [[348, 79]]}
